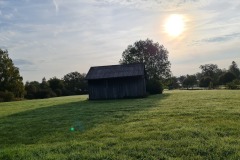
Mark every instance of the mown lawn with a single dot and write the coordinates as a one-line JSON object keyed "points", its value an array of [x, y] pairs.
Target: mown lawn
{"points": [[175, 125]]}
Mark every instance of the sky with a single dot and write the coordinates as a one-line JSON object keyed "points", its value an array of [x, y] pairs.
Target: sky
{"points": [[47, 38]]}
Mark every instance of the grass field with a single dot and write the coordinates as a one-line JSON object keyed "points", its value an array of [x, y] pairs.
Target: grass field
{"points": [[175, 125]]}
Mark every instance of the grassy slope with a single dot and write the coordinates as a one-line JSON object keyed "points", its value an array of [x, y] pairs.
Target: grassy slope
{"points": [[175, 125]]}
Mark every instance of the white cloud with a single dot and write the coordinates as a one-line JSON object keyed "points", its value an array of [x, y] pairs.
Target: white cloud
{"points": [[56, 5]]}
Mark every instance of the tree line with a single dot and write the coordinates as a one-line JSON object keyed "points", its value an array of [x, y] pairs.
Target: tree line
{"points": [[71, 84], [12, 86], [157, 67], [211, 77]]}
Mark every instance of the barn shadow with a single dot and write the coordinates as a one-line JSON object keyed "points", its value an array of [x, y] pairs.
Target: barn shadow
{"points": [[63, 121]]}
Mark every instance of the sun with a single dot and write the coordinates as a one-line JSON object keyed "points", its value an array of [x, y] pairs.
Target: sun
{"points": [[174, 25]]}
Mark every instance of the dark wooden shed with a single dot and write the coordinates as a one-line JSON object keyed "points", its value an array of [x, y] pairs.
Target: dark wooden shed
{"points": [[116, 81]]}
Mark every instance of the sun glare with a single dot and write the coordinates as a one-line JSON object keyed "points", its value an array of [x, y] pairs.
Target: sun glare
{"points": [[174, 25]]}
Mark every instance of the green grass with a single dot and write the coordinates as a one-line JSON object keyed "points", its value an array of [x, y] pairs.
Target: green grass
{"points": [[175, 125]]}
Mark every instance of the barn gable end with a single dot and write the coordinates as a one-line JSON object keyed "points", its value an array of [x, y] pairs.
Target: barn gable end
{"points": [[116, 81]]}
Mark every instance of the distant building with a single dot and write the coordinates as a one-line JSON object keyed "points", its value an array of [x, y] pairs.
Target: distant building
{"points": [[116, 81]]}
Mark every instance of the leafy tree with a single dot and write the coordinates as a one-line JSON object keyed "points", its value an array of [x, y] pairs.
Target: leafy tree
{"points": [[181, 79], [173, 84], [10, 79], [190, 81], [234, 69], [31, 89], [44, 84], [211, 71], [56, 85], [206, 82], [227, 77], [75, 82], [153, 55]]}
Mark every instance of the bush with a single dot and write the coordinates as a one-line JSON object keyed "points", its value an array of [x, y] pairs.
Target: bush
{"points": [[233, 85], [6, 96], [45, 93], [154, 87]]}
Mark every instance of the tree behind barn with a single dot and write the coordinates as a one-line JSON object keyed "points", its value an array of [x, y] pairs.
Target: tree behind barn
{"points": [[10, 79], [153, 55]]}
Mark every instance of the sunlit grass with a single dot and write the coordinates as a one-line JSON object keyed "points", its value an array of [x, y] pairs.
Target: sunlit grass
{"points": [[175, 125]]}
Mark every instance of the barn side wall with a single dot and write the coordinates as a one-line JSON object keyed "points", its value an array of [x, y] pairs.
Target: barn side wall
{"points": [[117, 88]]}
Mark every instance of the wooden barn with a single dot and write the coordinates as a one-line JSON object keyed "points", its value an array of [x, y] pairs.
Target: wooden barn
{"points": [[116, 81]]}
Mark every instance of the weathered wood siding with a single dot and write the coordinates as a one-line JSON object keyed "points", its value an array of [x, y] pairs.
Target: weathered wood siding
{"points": [[116, 88]]}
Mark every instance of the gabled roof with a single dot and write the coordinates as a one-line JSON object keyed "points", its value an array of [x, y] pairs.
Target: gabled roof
{"points": [[114, 71]]}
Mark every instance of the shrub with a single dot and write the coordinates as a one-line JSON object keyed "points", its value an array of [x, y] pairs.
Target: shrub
{"points": [[45, 93], [154, 87], [233, 85], [6, 96]]}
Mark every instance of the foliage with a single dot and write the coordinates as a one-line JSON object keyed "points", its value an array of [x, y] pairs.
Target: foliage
{"points": [[227, 77], [153, 55], [6, 96], [206, 82], [154, 86], [72, 84], [235, 84], [31, 89], [173, 83], [234, 69], [55, 83], [190, 81], [10, 79], [181, 79], [212, 71], [75, 82], [45, 93], [173, 125], [36, 90]]}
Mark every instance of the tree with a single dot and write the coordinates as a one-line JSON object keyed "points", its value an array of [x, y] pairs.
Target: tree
{"points": [[75, 82], [56, 85], [212, 71], [44, 84], [152, 55], [190, 81], [181, 79], [227, 77], [173, 83], [10, 79], [234, 69], [209, 70], [31, 89], [206, 82]]}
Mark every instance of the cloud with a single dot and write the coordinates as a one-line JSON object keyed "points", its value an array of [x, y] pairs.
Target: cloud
{"points": [[21, 62], [223, 38], [56, 5], [150, 4]]}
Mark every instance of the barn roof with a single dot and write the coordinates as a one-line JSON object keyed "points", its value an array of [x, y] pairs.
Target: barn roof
{"points": [[115, 71]]}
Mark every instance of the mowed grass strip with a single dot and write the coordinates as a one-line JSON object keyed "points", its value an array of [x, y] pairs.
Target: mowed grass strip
{"points": [[175, 125]]}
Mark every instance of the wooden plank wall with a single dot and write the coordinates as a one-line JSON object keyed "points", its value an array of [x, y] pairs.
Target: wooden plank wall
{"points": [[117, 88]]}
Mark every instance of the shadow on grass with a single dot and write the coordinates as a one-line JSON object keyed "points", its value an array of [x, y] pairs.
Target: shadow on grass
{"points": [[56, 123]]}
